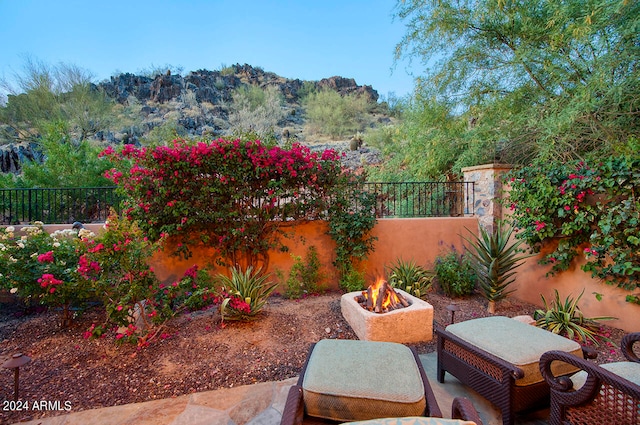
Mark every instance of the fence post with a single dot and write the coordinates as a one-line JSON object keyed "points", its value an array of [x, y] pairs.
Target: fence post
{"points": [[488, 190]]}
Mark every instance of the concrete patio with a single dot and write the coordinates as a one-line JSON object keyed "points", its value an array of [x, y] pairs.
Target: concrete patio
{"points": [[258, 404]]}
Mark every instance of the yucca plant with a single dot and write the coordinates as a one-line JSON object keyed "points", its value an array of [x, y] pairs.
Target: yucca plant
{"points": [[495, 258], [410, 277], [244, 293], [566, 319]]}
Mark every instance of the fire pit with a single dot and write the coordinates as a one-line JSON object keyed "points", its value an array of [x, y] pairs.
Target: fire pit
{"points": [[410, 324]]}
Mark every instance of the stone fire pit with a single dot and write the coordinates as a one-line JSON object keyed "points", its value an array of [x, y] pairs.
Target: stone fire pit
{"points": [[409, 325]]}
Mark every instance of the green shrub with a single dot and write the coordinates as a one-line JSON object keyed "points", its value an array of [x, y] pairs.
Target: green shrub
{"points": [[352, 280], [455, 275], [244, 293], [256, 109], [305, 278], [335, 115], [410, 277], [566, 319]]}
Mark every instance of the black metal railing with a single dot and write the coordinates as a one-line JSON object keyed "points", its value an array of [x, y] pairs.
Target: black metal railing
{"points": [[92, 204], [57, 205], [422, 199]]}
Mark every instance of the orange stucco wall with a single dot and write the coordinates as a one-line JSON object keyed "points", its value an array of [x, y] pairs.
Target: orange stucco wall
{"points": [[420, 239]]}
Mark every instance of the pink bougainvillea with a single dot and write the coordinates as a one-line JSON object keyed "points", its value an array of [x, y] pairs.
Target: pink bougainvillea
{"points": [[229, 194]]}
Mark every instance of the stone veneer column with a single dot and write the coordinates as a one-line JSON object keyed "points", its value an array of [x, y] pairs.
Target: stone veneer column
{"points": [[488, 189]]}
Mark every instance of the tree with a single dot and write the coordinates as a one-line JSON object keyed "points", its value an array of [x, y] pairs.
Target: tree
{"points": [[67, 163], [46, 94], [533, 78]]}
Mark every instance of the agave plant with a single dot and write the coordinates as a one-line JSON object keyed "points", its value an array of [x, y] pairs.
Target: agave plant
{"points": [[494, 259], [565, 318], [244, 293], [410, 277]]}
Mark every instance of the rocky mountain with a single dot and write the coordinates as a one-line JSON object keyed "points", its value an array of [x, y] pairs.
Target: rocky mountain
{"points": [[199, 105]]}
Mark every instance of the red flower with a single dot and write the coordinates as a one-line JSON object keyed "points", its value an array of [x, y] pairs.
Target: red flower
{"points": [[46, 257]]}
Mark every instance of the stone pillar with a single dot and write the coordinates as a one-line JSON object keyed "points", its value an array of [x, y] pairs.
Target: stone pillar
{"points": [[487, 190]]}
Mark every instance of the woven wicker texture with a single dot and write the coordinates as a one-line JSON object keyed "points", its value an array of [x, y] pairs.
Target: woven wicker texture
{"points": [[413, 421], [516, 343], [599, 394], [349, 380]]}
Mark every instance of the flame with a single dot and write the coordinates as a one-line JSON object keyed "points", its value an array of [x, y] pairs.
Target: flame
{"points": [[390, 297]]}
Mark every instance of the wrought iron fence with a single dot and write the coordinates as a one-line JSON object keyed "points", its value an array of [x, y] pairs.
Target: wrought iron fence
{"points": [[57, 205], [92, 204], [422, 199]]}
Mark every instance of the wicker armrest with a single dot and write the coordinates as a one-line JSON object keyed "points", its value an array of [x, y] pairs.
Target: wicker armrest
{"points": [[293, 413], [626, 346], [506, 367], [463, 409], [596, 376]]}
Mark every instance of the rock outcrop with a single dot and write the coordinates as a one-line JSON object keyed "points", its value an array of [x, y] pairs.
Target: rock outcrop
{"points": [[195, 105]]}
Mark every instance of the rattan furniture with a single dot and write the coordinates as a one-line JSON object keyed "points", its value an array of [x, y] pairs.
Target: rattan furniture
{"points": [[367, 358], [498, 358], [598, 394]]}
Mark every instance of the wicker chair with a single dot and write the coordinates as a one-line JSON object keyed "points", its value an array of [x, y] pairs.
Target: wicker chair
{"points": [[493, 377], [295, 413], [598, 394]]}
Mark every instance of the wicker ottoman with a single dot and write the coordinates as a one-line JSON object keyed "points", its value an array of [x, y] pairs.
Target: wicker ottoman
{"points": [[353, 380], [499, 358]]}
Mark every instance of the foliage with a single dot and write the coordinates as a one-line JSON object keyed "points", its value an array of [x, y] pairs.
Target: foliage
{"points": [[43, 268], [410, 277], [495, 258], [352, 217], [589, 207], [352, 279], [136, 302], [454, 273], [68, 163], [172, 190], [520, 80], [566, 318], [305, 278], [49, 94], [335, 115], [257, 110], [244, 293]]}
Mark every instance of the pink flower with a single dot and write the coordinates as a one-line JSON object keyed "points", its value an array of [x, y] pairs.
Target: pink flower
{"points": [[540, 225], [46, 257], [119, 308]]}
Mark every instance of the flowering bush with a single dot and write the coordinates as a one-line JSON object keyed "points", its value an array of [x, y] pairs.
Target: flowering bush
{"points": [[589, 208], [43, 268], [137, 304], [234, 196]]}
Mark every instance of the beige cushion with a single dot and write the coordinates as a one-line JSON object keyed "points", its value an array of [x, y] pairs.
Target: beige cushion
{"points": [[516, 343], [351, 380], [628, 370], [413, 421]]}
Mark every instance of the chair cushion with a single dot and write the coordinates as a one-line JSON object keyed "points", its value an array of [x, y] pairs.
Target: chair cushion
{"points": [[516, 343], [351, 380], [414, 420], [628, 370]]}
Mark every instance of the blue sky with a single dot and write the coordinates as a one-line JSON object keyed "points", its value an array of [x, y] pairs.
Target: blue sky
{"points": [[306, 39]]}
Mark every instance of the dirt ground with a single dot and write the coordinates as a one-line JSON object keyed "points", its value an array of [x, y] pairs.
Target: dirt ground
{"points": [[200, 354]]}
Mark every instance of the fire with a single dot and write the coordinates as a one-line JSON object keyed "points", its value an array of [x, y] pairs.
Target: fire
{"points": [[390, 298]]}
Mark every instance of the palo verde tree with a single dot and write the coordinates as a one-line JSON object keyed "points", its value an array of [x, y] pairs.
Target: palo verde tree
{"points": [[235, 196], [529, 78]]}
